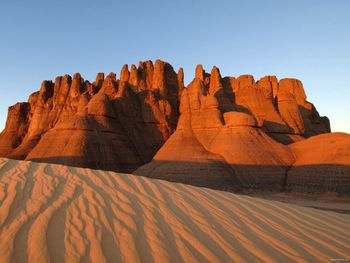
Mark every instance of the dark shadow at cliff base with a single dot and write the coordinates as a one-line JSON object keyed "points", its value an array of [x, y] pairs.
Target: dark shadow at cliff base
{"points": [[310, 179], [252, 178]]}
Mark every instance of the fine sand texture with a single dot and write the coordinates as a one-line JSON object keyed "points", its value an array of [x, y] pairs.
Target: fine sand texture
{"points": [[55, 213]]}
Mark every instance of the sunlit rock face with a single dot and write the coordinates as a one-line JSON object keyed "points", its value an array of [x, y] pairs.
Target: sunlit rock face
{"points": [[112, 124], [218, 149], [233, 133], [217, 132]]}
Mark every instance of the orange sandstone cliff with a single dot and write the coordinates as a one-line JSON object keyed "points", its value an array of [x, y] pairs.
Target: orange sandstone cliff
{"points": [[112, 124], [219, 132]]}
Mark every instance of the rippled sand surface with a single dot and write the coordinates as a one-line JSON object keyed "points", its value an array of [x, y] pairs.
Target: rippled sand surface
{"points": [[55, 213]]}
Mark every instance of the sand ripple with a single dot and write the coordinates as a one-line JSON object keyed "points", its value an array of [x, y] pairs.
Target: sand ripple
{"points": [[55, 213]]}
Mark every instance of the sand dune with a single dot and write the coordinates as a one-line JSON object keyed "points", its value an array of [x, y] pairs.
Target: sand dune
{"points": [[55, 213]]}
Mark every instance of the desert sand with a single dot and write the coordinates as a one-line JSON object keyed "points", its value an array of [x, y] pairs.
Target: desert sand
{"points": [[56, 213]]}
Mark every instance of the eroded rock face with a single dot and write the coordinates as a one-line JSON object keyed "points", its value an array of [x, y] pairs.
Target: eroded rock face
{"points": [[208, 144], [280, 107], [300, 115], [16, 127], [231, 133], [219, 132], [113, 124]]}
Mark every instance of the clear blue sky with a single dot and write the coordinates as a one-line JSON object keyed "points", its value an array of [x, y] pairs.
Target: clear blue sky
{"points": [[306, 39]]}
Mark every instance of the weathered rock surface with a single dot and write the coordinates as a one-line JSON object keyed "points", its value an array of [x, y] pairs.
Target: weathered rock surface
{"points": [[15, 129], [114, 124], [219, 132], [224, 130], [238, 126], [209, 144]]}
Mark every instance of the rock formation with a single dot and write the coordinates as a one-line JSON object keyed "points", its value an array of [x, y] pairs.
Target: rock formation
{"points": [[110, 124], [219, 132], [236, 126], [218, 149]]}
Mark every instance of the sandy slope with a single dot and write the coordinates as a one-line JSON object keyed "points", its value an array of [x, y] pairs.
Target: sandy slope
{"points": [[57, 213]]}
